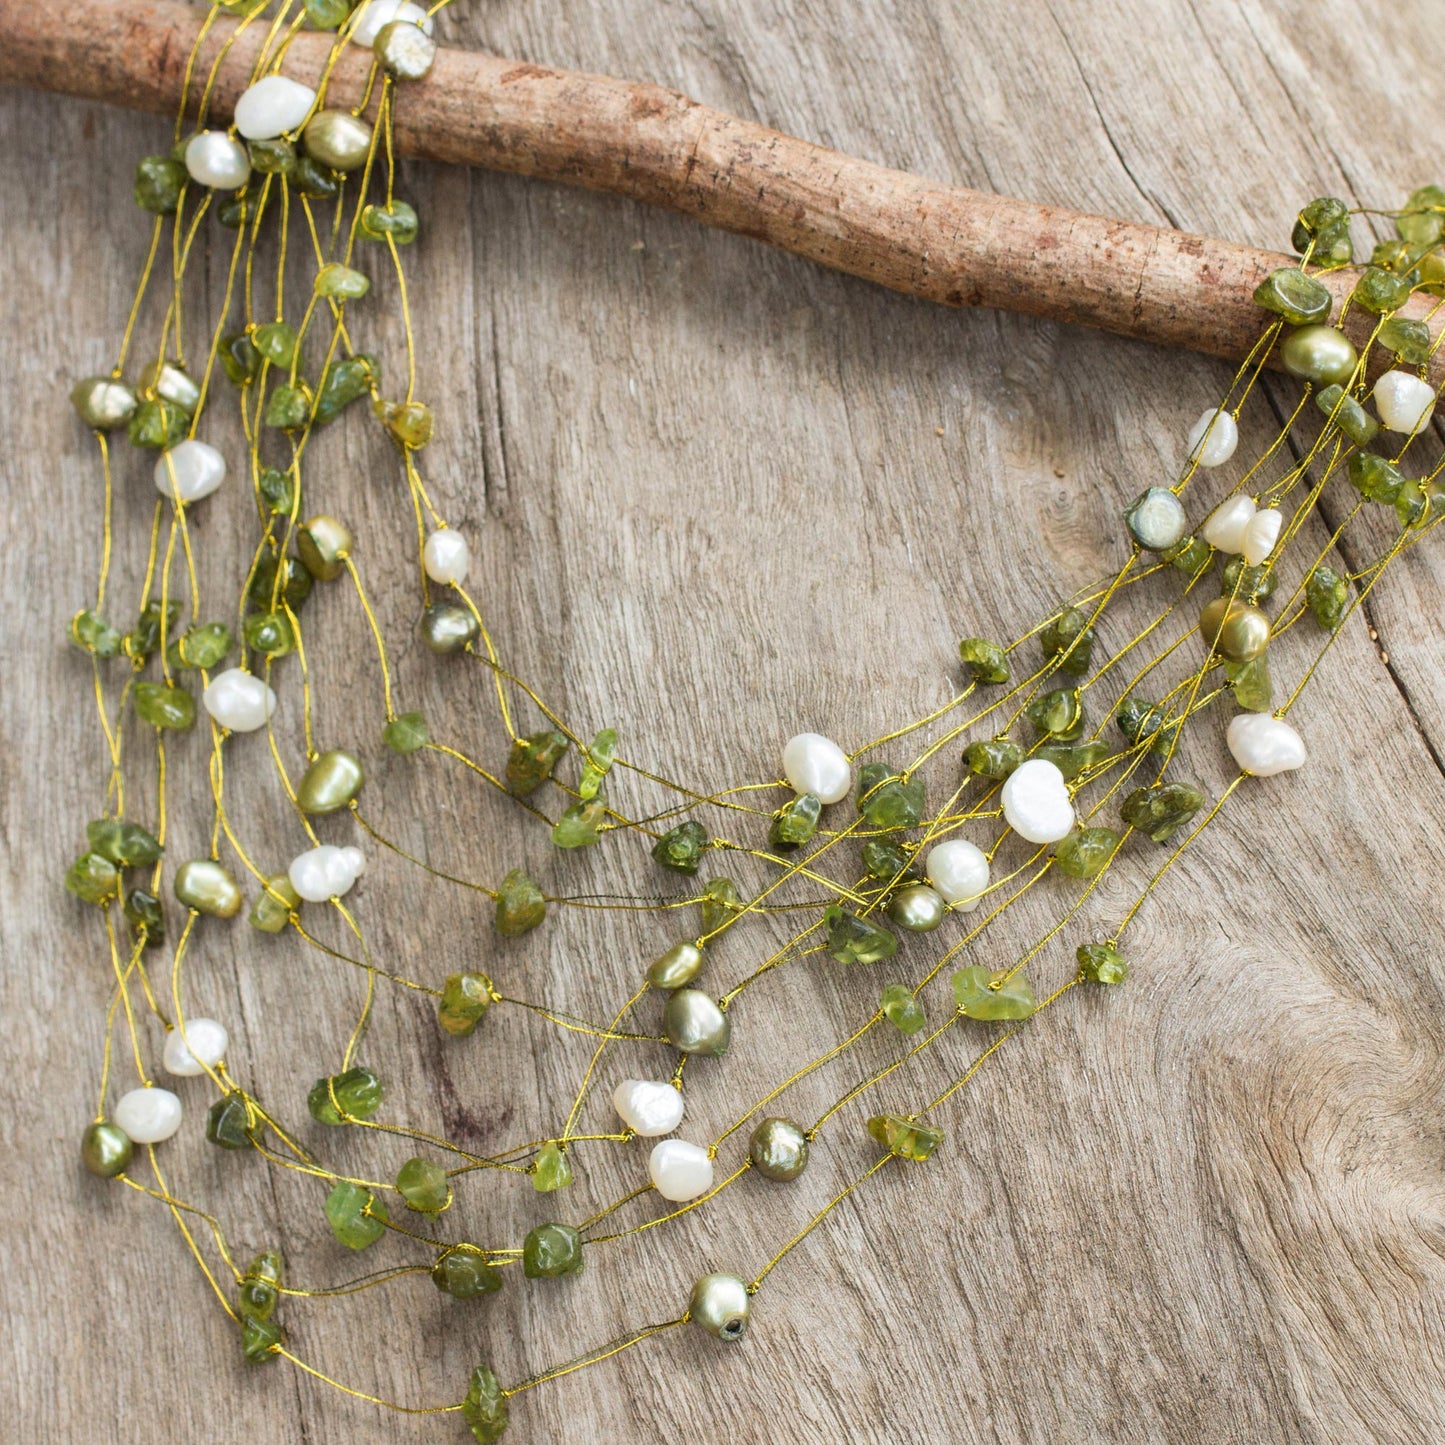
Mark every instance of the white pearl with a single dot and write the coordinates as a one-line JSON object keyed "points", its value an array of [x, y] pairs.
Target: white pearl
{"points": [[1264, 745], [146, 1116], [1036, 802], [815, 764], [197, 468], [1261, 535], [274, 105], [239, 701], [218, 160], [648, 1108], [446, 556], [1223, 438], [372, 17], [1404, 401], [680, 1171], [1227, 523], [201, 1047], [959, 871], [325, 872]]}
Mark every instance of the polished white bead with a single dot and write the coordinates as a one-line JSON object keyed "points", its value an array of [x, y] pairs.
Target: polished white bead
{"points": [[1036, 802], [815, 764], [1264, 745], [1404, 401], [325, 872], [680, 1171], [146, 1116], [1223, 436], [370, 18], [446, 556], [1261, 535], [202, 1046], [274, 105], [190, 470], [959, 871], [648, 1108], [218, 160], [1227, 523], [238, 700]]}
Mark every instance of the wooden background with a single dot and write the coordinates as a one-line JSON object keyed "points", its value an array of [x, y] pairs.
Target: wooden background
{"points": [[717, 495]]}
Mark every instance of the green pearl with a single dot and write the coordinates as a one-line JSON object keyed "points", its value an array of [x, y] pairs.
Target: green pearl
{"points": [[552, 1250], [338, 139], [1235, 629], [553, 1170], [720, 1305], [904, 1137], [902, 1009], [695, 1024], [996, 758], [341, 282], [158, 184], [406, 733], [681, 849], [143, 910], [169, 382], [1162, 811], [520, 905], [1320, 354], [105, 1150], [779, 1150], [356, 1216], [795, 823], [331, 783], [396, 219], [984, 993], [918, 908], [1156, 519], [465, 999], [485, 1407], [102, 402], [720, 904], [260, 1340], [259, 1289], [463, 1272], [157, 425], [229, 1122], [424, 1185], [678, 966], [1069, 638], [92, 633], [1327, 594], [205, 886], [1101, 963], [340, 1098], [580, 823], [983, 660], [886, 799], [1299, 298], [278, 900], [93, 879], [410, 423], [1086, 852], [852, 939], [324, 545], [446, 627], [170, 708]]}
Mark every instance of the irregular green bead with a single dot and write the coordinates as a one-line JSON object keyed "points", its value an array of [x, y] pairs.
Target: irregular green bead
{"points": [[485, 1407], [984, 993], [532, 761], [1421, 222], [171, 708], [92, 633], [274, 156], [410, 423], [601, 753], [157, 424], [343, 383], [105, 1150], [551, 1251], [276, 342], [289, 407], [277, 901], [465, 999], [1249, 584], [1381, 291], [887, 800], [331, 783], [406, 733], [143, 911], [463, 1272], [694, 1024], [234, 212], [167, 380], [1407, 338], [520, 905], [205, 646], [1253, 688], [904, 1137], [228, 1121], [1142, 721], [1073, 759], [1086, 852], [1190, 555], [339, 1098], [681, 849], [145, 638], [424, 1185], [1069, 638], [356, 1215], [720, 904], [795, 823], [270, 633], [1101, 963], [552, 1171], [207, 887], [902, 1009], [983, 660], [579, 824], [886, 860], [1411, 504], [279, 579], [1321, 354], [93, 879], [260, 1288], [127, 845], [677, 967], [1327, 594], [1299, 298], [995, 758], [326, 14], [1058, 713], [103, 402], [1393, 256], [260, 1340], [1324, 224], [397, 220], [341, 282], [159, 181], [852, 939], [315, 181], [1162, 811], [779, 1150], [447, 627], [1375, 478]]}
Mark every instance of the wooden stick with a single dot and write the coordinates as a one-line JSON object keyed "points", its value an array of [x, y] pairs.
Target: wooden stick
{"points": [[942, 243]]}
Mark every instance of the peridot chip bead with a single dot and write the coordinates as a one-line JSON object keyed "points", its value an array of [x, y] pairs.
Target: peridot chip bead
{"points": [[852, 939], [984, 993], [275, 904], [1058, 713], [993, 758], [105, 1149], [1327, 594], [906, 1138], [983, 660], [396, 220], [206, 886], [1086, 852], [1421, 222], [1321, 354], [601, 753], [410, 423], [315, 181], [550, 1251], [886, 799], [276, 342], [1190, 555], [520, 905], [1380, 290], [158, 184], [289, 406], [127, 845], [1069, 638], [677, 967], [721, 903], [324, 544], [465, 999], [260, 1287], [1250, 584], [552, 1170], [902, 1009], [145, 637], [157, 424], [1407, 338], [229, 1121], [204, 647], [331, 783], [239, 358], [886, 860], [356, 1216], [93, 879], [406, 733], [1323, 230], [270, 633], [260, 1340], [532, 761], [170, 708], [681, 849], [340, 1098], [143, 912], [274, 156], [424, 1185], [103, 402], [1290, 293], [341, 282], [795, 823], [485, 1407], [579, 824], [1141, 721], [92, 633], [1253, 688], [1073, 759], [279, 579], [448, 627], [463, 1272], [1101, 963], [343, 383], [1411, 504], [1375, 478], [1162, 811], [326, 14]]}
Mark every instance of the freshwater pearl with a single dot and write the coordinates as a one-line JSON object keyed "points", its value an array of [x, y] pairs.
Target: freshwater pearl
{"points": [[274, 105], [369, 19], [959, 871], [1227, 523], [190, 470], [201, 1047], [239, 701], [105, 1150], [1260, 535], [648, 1108], [206, 886], [677, 967], [1404, 401], [1156, 519], [148, 1115], [720, 1305], [815, 764], [338, 139], [1264, 745], [917, 907], [218, 160], [1236, 629], [1321, 354], [446, 557], [680, 1171], [325, 872], [779, 1150], [1036, 802], [1223, 437], [405, 50], [695, 1024]]}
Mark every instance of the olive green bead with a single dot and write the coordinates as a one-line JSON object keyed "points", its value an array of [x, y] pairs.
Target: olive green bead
{"points": [[1408, 338], [532, 761], [1375, 478], [902, 1009], [1156, 519], [341, 283], [337, 139], [1101, 963], [203, 647], [1320, 354], [1327, 594], [278, 900], [1299, 298], [720, 1305], [356, 1216], [406, 733], [239, 358], [1142, 721], [1380, 290], [984, 993], [852, 939], [260, 1340], [229, 1121], [405, 50], [1190, 555], [315, 181], [887, 860], [105, 1149], [170, 708], [102, 402], [552, 1169], [720, 904], [159, 181], [289, 406], [581, 823], [1236, 630], [410, 423], [917, 908], [995, 758], [143, 910], [93, 879], [485, 1407], [1086, 852], [984, 661], [597, 762], [465, 999], [1251, 584], [1347, 414], [270, 633], [324, 545], [260, 1287], [276, 342], [156, 424], [678, 966], [90, 632], [272, 157], [779, 1150], [1069, 638], [795, 823], [1074, 759], [1251, 683], [681, 849], [326, 14], [339, 1098], [520, 905], [1323, 229], [396, 219], [145, 638], [904, 1137], [1162, 811], [424, 1185], [446, 627], [330, 783], [464, 1272], [1058, 713], [278, 579], [888, 800], [127, 845], [695, 1024], [205, 886], [552, 1250], [342, 384]]}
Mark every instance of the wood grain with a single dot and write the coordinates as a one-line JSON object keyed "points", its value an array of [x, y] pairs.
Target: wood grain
{"points": [[717, 493]]}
